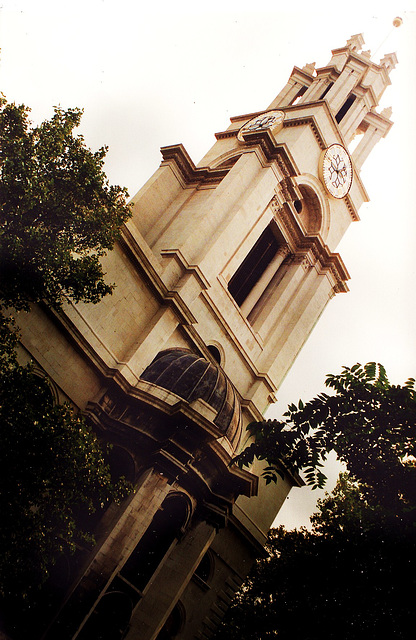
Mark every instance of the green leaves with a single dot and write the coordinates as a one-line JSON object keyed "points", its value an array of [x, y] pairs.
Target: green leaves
{"points": [[51, 467], [343, 579], [58, 214], [368, 422], [351, 577]]}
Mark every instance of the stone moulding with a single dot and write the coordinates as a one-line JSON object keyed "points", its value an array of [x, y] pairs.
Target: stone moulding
{"points": [[180, 437], [189, 172], [301, 245]]}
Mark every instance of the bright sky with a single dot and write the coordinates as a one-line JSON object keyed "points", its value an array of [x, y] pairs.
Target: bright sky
{"points": [[154, 74]]}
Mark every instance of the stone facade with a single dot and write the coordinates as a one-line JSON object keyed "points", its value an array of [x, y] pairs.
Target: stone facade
{"points": [[221, 273]]}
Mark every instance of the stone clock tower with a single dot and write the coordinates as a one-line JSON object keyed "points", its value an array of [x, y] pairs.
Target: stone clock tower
{"points": [[221, 273]]}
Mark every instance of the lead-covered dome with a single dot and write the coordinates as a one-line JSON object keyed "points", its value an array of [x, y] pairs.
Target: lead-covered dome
{"points": [[191, 377]]}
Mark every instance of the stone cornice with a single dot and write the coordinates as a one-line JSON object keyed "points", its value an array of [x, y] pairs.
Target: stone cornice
{"points": [[191, 175], [313, 245], [142, 261], [302, 75], [272, 151], [378, 121], [363, 61], [308, 121], [331, 72], [178, 256], [119, 411]]}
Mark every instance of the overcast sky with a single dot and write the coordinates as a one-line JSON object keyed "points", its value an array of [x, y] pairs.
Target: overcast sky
{"points": [[155, 74]]}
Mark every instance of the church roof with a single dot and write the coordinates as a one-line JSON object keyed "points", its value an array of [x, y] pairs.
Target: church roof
{"points": [[192, 377]]}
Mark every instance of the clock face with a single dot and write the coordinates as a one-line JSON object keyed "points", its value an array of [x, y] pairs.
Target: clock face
{"points": [[272, 120], [335, 170]]}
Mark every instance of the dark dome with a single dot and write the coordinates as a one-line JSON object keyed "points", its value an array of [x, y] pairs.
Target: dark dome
{"points": [[191, 377]]}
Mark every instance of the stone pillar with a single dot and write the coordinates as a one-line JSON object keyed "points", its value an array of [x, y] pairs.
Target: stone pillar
{"points": [[277, 296], [315, 90], [352, 119], [287, 95], [343, 86], [152, 611], [366, 145]]}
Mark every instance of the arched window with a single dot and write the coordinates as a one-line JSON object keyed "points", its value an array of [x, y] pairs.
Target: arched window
{"points": [[121, 464], [205, 569], [228, 164], [111, 616], [215, 352], [166, 526], [345, 107], [174, 624], [309, 209], [253, 266]]}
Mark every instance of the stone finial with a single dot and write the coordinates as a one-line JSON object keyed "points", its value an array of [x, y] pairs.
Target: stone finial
{"points": [[386, 113], [355, 43], [367, 54], [309, 68], [389, 61]]}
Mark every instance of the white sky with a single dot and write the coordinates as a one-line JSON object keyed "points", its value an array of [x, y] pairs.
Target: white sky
{"points": [[155, 74]]}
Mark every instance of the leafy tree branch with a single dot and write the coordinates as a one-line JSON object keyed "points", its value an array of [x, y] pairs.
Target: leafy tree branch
{"points": [[59, 214], [351, 577], [368, 422]]}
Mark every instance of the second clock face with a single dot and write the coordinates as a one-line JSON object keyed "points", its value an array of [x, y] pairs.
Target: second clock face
{"points": [[272, 120], [335, 170]]}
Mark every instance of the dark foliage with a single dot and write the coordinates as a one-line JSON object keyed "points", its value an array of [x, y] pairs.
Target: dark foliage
{"points": [[369, 423], [52, 470], [58, 214], [58, 217], [351, 578]]}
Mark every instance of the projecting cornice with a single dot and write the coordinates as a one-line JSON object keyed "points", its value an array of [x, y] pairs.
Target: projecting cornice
{"points": [[180, 437], [311, 247], [266, 143], [378, 121], [190, 174]]}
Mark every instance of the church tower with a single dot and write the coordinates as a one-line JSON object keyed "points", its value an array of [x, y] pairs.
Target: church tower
{"points": [[221, 273]]}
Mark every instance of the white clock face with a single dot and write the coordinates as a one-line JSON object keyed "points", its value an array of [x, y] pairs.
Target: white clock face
{"points": [[336, 170], [272, 120]]}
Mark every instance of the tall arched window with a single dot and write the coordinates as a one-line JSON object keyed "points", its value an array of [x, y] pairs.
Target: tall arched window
{"points": [[253, 266], [204, 571], [166, 526], [111, 616], [174, 624], [345, 107], [309, 210]]}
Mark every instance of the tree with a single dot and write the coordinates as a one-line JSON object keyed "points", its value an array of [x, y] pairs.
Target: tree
{"points": [[59, 215], [369, 423], [52, 474], [54, 481], [350, 578], [50, 466], [353, 575]]}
